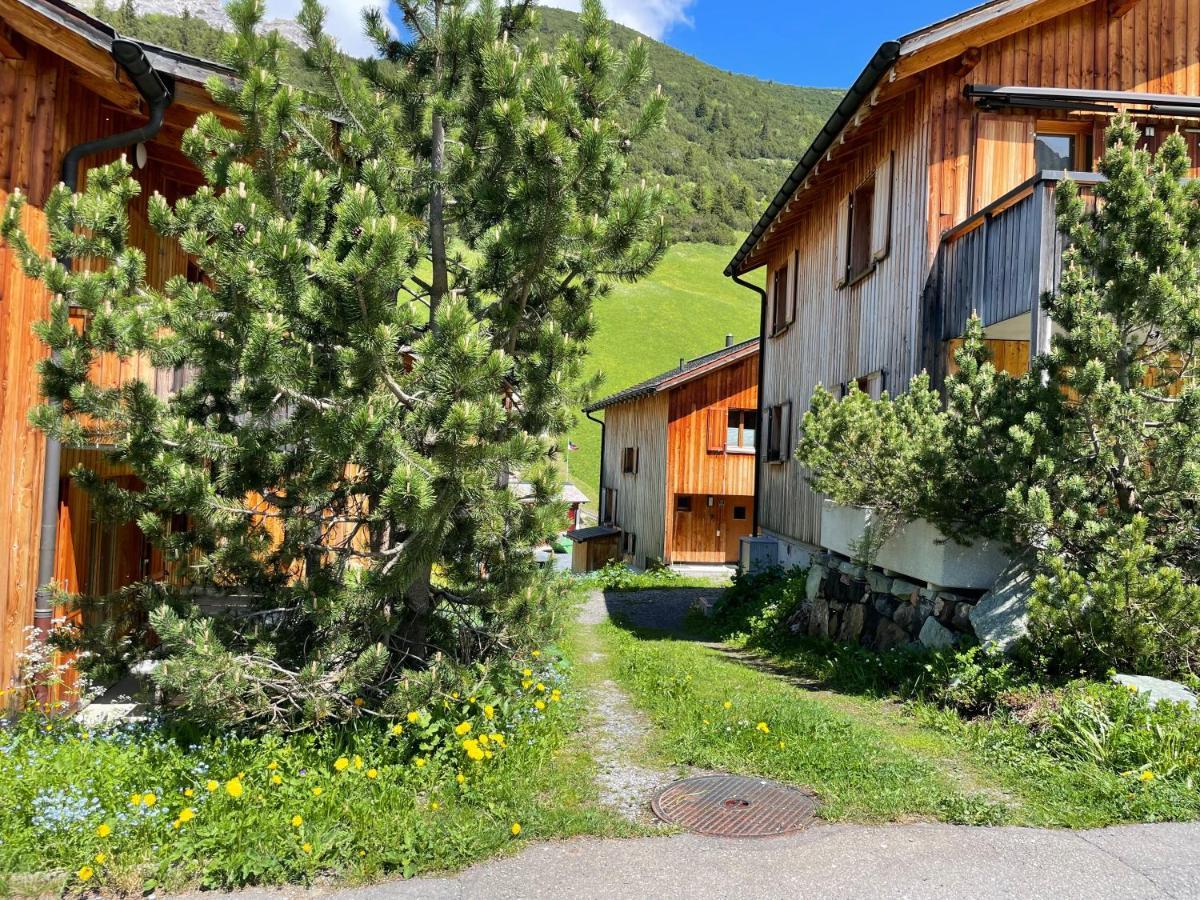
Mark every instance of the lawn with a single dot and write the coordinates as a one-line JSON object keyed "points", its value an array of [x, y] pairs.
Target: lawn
{"points": [[870, 758], [684, 309]]}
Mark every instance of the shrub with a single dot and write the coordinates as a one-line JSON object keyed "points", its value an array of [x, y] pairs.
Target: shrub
{"points": [[616, 576], [754, 608]]}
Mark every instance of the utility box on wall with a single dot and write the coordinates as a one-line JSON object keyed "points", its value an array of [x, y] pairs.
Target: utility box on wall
{"points": [[757, 554]]}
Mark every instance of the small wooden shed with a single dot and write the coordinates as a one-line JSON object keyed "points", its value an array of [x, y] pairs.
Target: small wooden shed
{"points": [[594, 547]]}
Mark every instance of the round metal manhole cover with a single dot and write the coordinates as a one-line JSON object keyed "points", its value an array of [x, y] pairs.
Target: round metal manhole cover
{"points": [[734, 806]]}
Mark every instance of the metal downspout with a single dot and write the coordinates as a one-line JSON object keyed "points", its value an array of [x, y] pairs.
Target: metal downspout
{"points": [[130, 56], [600, 500], [759, 443]]}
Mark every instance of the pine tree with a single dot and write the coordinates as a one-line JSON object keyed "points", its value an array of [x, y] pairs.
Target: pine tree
{"points": [[399, 279]]}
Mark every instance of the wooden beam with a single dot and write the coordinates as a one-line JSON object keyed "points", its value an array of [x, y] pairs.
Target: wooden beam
{"points": [[968, 61], [8, 49], [1118, 8]]}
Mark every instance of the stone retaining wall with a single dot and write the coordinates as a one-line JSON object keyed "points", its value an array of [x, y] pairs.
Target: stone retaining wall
{"points": [[857, 605]]}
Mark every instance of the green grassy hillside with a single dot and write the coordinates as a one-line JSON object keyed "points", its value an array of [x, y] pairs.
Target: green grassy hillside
{"points": [[684, 309]]}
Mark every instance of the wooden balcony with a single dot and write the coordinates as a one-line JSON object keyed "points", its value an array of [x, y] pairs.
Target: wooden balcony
{"points": [[998, 263]]}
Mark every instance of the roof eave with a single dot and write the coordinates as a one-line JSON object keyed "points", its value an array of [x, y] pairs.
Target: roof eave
{"points": [[885, 57]]}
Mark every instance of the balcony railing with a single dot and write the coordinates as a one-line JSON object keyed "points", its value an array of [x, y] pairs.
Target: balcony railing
{"points": [[998, 263]]}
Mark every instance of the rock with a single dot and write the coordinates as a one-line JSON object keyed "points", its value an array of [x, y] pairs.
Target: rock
{"points": [[852, 624], [905, 616], [879, 583], [902, 588], [889, 635], [943, 608], [812, 587], [935, 635], [885, 604], [924, 607], [1158, 689], [960, 617], [798, 623], [1001, 617], [856, 573], [818, 618]]}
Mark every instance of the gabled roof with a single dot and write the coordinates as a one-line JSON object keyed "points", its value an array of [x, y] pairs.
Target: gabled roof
{"points": [[688, 371], [897, 60]]}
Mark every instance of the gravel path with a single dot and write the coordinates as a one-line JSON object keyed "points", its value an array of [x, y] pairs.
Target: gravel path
{"points": [[625, 783]]}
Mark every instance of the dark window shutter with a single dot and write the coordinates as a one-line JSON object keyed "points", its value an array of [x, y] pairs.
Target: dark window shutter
{"points": [[795, 288]]}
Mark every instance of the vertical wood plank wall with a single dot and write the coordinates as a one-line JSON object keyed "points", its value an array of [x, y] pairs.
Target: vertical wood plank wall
{"points": [[45, 108], [642, 496], [949, 160]]}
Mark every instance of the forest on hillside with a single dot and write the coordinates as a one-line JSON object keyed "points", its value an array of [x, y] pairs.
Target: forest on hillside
{"points": [[730, 140]]}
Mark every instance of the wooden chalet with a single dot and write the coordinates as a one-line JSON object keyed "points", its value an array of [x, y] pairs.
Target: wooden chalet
{"points": [[74, 95], [929, 194], [677, 466]]}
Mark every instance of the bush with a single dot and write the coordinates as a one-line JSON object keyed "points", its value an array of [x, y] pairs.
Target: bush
{"points": [[754, 608], [153, 803], [616, 576]]}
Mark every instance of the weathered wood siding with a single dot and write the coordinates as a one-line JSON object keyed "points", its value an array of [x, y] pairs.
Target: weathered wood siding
{"points": [[842, 334], [641, 496]]}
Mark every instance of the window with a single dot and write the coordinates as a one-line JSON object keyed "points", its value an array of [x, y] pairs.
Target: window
{"points": [[608, 512], [741, 430], [629, 461], [683, 503], [779, 433], [739, 513], [862, 202], [629, 544], [1054, 152], [783, 301]]}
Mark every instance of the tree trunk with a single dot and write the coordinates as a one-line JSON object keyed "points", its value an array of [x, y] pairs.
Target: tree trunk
{"points": [[437, 218], [418, 601]]}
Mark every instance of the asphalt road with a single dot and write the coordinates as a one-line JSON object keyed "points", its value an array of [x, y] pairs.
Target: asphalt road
{"points": [[929, 862]]}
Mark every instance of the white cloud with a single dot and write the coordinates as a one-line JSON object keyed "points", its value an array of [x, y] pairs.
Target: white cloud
{"points": [[650, 17], [343, 20]]}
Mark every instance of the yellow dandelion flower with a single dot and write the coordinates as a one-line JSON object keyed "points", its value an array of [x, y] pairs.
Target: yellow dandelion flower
{"points": [[176, 824], [527, 672], [488, 754], [135, 800], [272, 766], [413, 718], [539, 704], [476, 754], [516, 828], [540, 688], [149, 799], [419, 762], [526, 684], [781, 745], [297, 821], [306, 847], [537, 653], [460, 778], [85, 874], [454, 695], [483, 740], [763, 727], [187, 814], [489, 712], [372, 774], [342, 764], [434, 806], [397, 729], [211, 785], [103, 830], [99, 859], [728, 704], [470, 699], [358, 761], [188, 792], [318, 791], [276, 778], [1147, 776], [233, 787], [358, 701], [462, 728]]}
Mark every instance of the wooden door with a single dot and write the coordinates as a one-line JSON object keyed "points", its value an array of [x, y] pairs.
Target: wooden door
{"points": [[1003, 156], [739, 517]]}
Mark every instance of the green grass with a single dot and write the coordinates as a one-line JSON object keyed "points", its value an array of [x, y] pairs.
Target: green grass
{"points": [[684, 309], [871, 759]]}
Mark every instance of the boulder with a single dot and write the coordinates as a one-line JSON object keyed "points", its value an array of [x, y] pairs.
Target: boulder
{"points": [[812, 587], [852, 623], [885, 604], [960, 617], [1001, 617], [889, 635], [935, 635], [854, 572], [1158, 689], [902, 588], [818, 618], [880, 583], [905, 616], [943, 608]]}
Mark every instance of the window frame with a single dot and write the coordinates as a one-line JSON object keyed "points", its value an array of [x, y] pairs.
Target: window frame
{"points": [[778, 448], [1080, 132], [740, 448], [859, 234], [783, 307], [629, 460], [608, 507]]}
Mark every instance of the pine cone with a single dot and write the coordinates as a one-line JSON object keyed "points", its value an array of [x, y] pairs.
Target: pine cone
{"points": [[239, 229]]}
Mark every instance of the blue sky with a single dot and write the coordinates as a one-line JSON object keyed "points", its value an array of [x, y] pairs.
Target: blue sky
{"points": [[794, 41]]}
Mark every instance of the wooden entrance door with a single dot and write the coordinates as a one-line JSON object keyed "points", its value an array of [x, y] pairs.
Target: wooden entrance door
{"points": [[739, 517]]}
